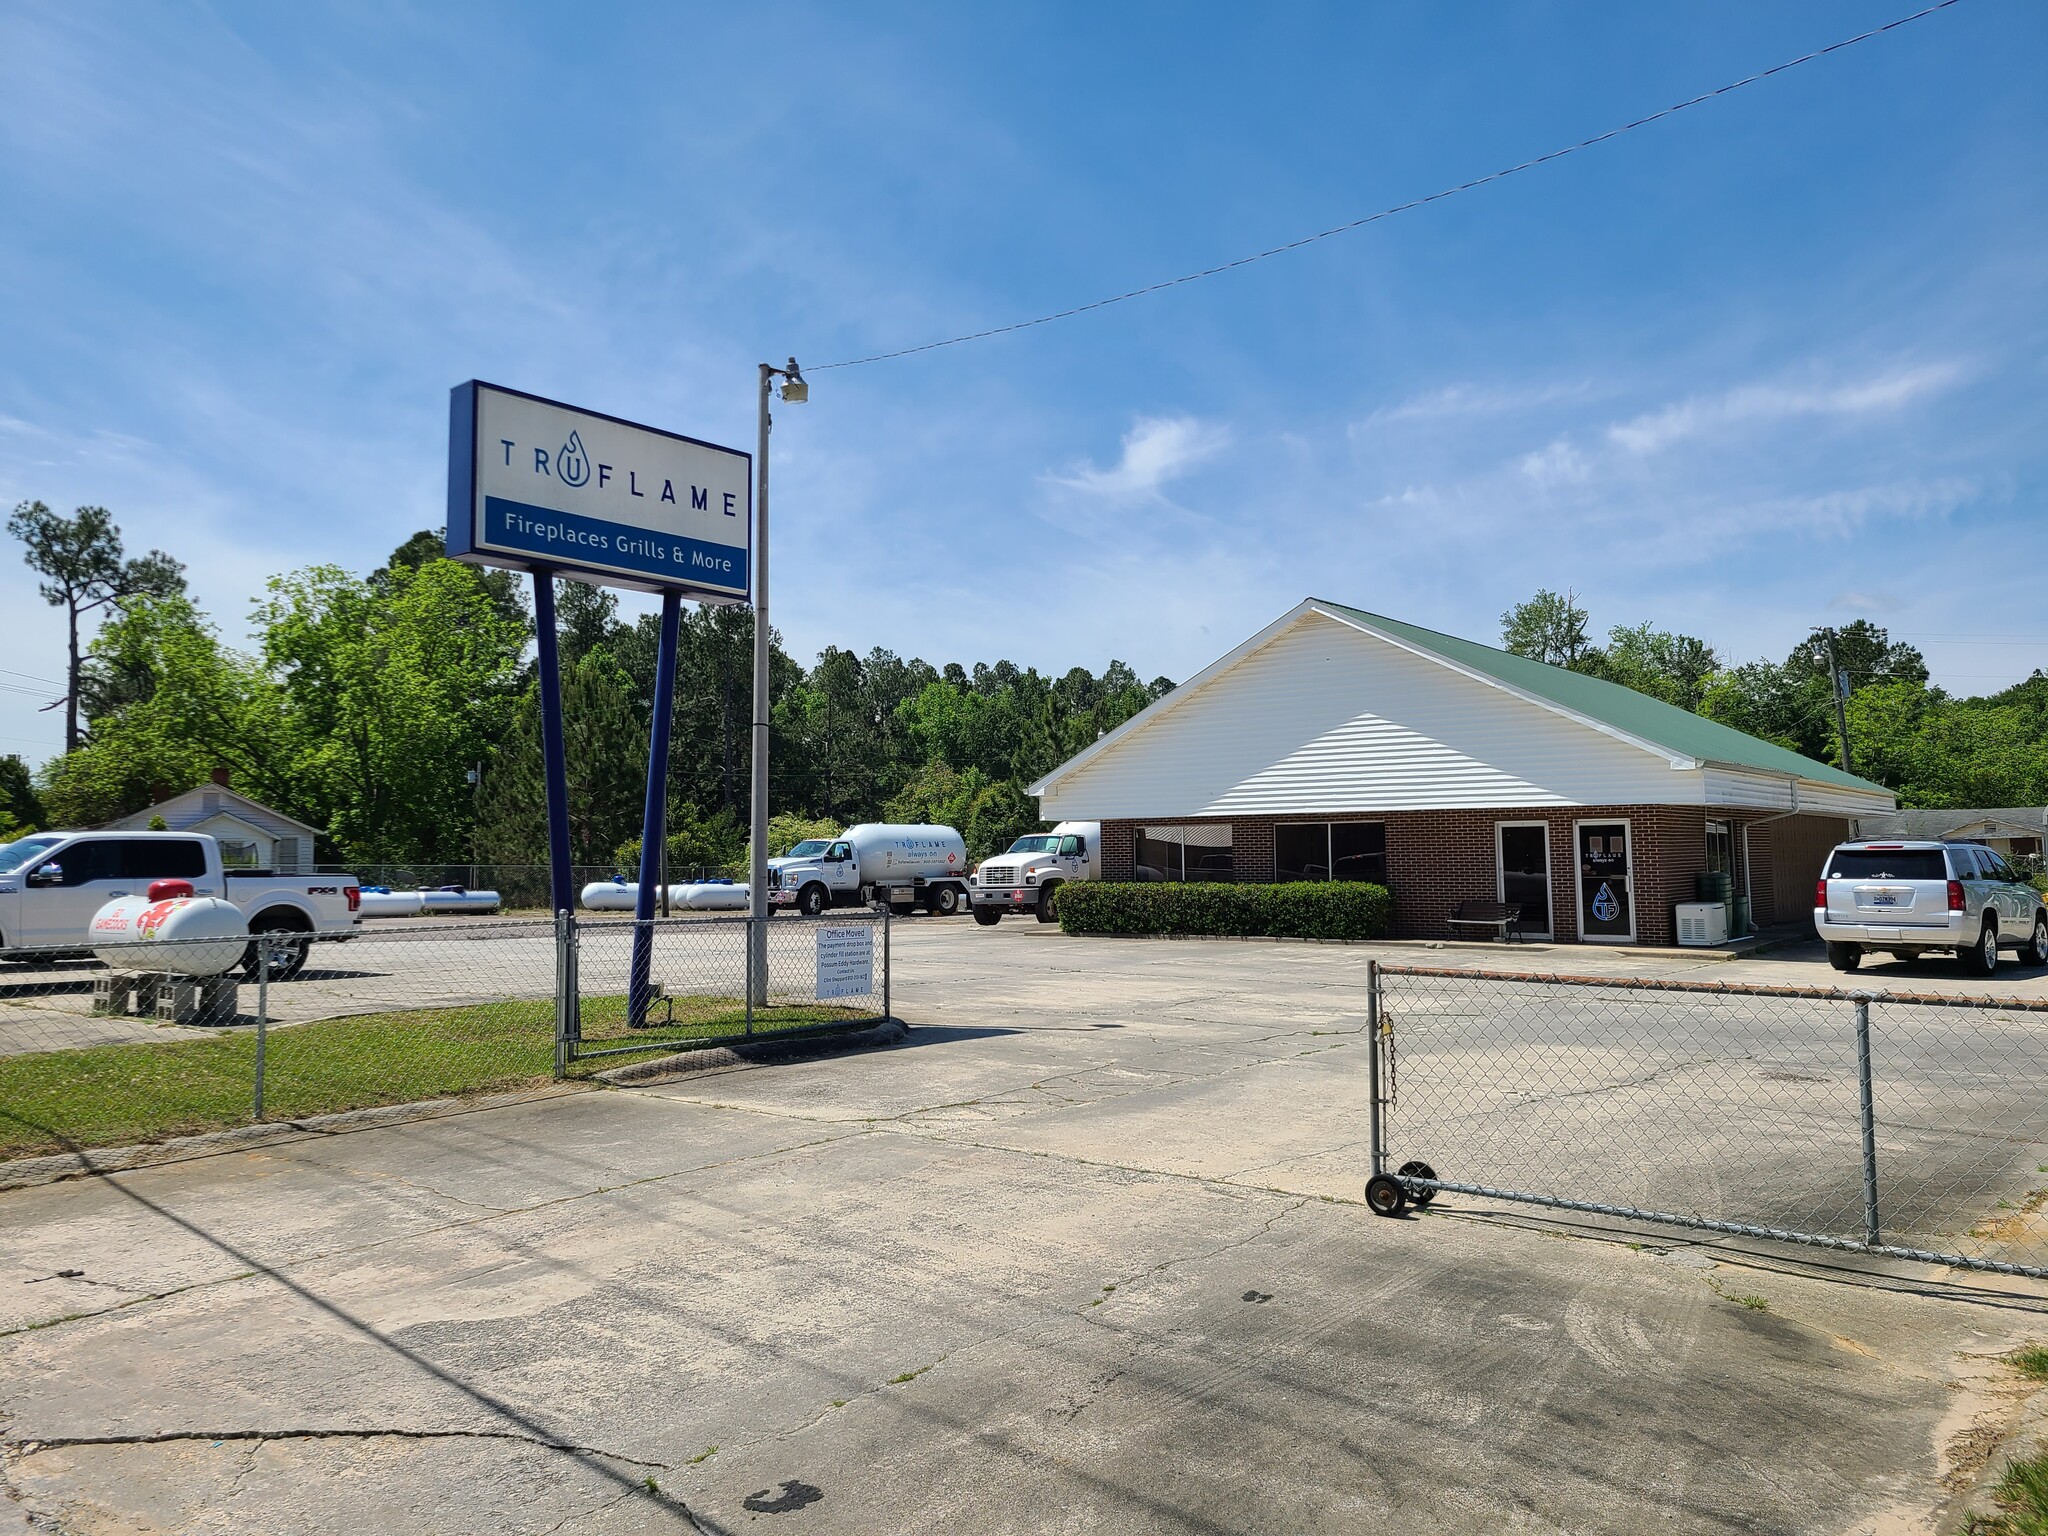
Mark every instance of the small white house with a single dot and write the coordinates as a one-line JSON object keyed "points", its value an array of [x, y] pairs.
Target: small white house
{"points": [[251, 835]]}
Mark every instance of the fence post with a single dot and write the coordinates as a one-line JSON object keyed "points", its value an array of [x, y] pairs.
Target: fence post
{"points": [[748, 930], [564, 983], [262, 1015], [1372, 1029], [1870, 1227], [885, 962]]}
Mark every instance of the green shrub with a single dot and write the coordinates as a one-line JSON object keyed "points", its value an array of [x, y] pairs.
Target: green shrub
{"points": [[1307, 909]]}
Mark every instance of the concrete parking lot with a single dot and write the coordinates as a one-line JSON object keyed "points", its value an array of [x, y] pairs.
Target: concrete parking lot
{"points": [[1085, 1253]]}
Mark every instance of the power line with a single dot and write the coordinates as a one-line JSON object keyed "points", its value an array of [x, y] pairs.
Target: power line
{"points": [[1387, 213], [31, 677]]}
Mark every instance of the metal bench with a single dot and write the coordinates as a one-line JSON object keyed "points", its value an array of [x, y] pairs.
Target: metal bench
{"points": [[1501, 916]]}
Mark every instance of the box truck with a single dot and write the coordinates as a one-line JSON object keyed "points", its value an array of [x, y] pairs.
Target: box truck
{"points": [[1036, 865]]}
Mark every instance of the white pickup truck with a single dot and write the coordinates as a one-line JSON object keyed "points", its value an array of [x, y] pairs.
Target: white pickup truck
{"points": [[51, 884]]}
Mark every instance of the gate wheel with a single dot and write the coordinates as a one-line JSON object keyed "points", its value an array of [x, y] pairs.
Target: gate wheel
{"points": [[1383, 1192], [1417, 1170]]}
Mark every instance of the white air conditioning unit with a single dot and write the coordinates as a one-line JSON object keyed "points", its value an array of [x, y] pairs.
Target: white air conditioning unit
{"points": [[1702, 922]]}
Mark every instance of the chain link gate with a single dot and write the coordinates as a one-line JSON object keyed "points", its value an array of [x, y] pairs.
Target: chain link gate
{"points": [[1904, 1126], [825, 974]]}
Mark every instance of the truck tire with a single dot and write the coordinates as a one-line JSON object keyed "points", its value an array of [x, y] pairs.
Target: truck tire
{"points": [[942, 900], [813, 899], [287, 957], [1046, 893], [988, 917], [1981, 958], [1845, 957]]}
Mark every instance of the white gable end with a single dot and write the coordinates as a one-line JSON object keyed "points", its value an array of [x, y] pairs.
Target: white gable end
{"points": [[1324, 717]]}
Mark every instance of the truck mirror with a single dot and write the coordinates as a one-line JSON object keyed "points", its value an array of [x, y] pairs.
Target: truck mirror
{"points": [[49, 874]]}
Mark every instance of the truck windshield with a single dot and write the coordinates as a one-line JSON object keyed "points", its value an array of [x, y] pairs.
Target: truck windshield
{"points": [[14, 855], [1043, 844], [809, 848]]}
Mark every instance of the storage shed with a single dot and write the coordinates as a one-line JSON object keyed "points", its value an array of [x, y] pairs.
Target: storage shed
{"points": [[1340, 744]]}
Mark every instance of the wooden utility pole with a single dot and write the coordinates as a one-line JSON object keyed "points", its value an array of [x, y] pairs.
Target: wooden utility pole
{"points": [[1838, 686]]}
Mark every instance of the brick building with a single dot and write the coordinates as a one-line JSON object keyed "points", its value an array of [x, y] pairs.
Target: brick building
{"points": [[1339, 744]]}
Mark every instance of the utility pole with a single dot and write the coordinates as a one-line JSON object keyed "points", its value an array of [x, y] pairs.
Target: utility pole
{"points": [[1838, 685], [795, 391]]}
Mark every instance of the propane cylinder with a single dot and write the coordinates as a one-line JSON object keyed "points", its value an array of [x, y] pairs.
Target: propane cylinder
{"points": [[167, 921]]}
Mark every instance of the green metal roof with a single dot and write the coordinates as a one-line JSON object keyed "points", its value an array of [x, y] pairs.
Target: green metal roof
{"points": [[1678, 731]]}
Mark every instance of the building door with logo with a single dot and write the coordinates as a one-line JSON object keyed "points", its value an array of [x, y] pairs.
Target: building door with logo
{"points": [[1523, 848], [1606, 911]]}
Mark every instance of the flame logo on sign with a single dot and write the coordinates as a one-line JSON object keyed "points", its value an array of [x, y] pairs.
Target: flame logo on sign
{"points": [[1605, 907], [573, 464]]}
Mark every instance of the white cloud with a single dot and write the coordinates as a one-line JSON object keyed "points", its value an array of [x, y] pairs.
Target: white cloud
{"points": [[1777, 403], [1156, 450], [1559, 464], [1465, 400]]}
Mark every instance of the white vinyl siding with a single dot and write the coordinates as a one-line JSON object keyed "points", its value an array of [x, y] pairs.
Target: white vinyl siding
{"points": [[1761, 791], [1325, 718]]}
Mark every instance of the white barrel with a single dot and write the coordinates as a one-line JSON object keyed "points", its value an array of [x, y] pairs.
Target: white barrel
{"points": [[391, 903], [715, 896], [159, 935], [459, 901]]}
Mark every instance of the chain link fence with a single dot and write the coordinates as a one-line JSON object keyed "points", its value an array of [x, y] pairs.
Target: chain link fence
{"points": [[1904, 1126], [520, 887], [108, 1047]]}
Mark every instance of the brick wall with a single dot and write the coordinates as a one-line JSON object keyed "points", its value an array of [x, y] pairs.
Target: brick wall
{"points": [[1437, 858]]}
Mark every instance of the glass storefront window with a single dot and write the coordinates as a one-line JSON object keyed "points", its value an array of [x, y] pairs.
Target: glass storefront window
{"points": [[1185, 853], [1330, 850]]}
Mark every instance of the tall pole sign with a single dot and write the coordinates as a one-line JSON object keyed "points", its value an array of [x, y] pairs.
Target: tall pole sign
{"points": [[535, 485]]}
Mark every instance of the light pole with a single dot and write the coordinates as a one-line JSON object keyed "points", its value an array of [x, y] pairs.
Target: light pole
{"points": [[796, 392]]}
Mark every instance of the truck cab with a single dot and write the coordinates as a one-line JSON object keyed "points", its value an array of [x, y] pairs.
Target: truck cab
{"points": [[1024, 878]]}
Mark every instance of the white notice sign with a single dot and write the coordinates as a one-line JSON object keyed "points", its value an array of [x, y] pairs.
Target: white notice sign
{"points": [[846, 960]]}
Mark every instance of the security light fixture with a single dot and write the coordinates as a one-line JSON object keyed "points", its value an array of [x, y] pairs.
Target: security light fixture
{"points": [[794, 389]]}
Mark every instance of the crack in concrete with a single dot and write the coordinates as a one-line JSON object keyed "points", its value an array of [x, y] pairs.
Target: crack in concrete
{"points": [[37, 1445]]}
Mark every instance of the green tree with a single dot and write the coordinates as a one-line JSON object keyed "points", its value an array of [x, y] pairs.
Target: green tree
{"points": [[169, 703], [81, 561], [395, 689], [1672, 667], [1546, 628]]}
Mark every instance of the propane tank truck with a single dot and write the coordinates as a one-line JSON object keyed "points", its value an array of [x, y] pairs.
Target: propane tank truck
{"points": [[920, 865], [1036, 865]]}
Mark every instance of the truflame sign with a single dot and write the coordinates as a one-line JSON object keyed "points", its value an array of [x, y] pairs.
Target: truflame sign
{"points": [[535, 484]]}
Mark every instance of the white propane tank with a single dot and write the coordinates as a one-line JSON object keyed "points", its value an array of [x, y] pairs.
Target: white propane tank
{"points": [[715, 896], [382, 903], [620, 896], [168, 920], [458, 899]]}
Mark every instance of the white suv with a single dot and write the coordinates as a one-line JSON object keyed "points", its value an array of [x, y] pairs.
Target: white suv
{"points": [[1910, 897]]}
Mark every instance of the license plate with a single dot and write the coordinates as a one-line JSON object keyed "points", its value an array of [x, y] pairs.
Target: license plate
{"points": [[1884, 901]]}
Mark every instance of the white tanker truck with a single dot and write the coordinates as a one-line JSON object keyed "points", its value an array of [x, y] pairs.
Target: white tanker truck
{"points": [[920, 865]]}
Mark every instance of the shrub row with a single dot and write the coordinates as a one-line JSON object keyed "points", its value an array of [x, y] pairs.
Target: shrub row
{"points": [[1307, 909]]}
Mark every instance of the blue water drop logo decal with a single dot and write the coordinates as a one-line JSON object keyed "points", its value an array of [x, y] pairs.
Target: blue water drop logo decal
{"points": [[1605, 907], [573, 464]]}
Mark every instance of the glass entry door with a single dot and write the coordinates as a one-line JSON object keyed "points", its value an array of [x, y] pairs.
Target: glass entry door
{"points": [[1524, 856], [1606, 911]]}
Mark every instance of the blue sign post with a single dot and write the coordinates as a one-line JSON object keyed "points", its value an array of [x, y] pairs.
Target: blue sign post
{"points": [[536, 485]]}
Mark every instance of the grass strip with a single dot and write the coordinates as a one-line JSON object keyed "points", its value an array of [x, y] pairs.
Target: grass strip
{"points": [[117, 1095]]}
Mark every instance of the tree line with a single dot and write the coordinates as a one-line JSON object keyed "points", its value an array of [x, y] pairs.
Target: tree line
{"points": [[399, 712], [1932, 748]]}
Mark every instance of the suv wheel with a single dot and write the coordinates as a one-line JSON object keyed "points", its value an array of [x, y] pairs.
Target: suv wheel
{"points": [[2036, 952], [1845, 957], [1981, 958]]}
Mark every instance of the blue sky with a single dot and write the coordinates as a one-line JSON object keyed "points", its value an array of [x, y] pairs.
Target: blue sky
{"points": [[1777, 361]]}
